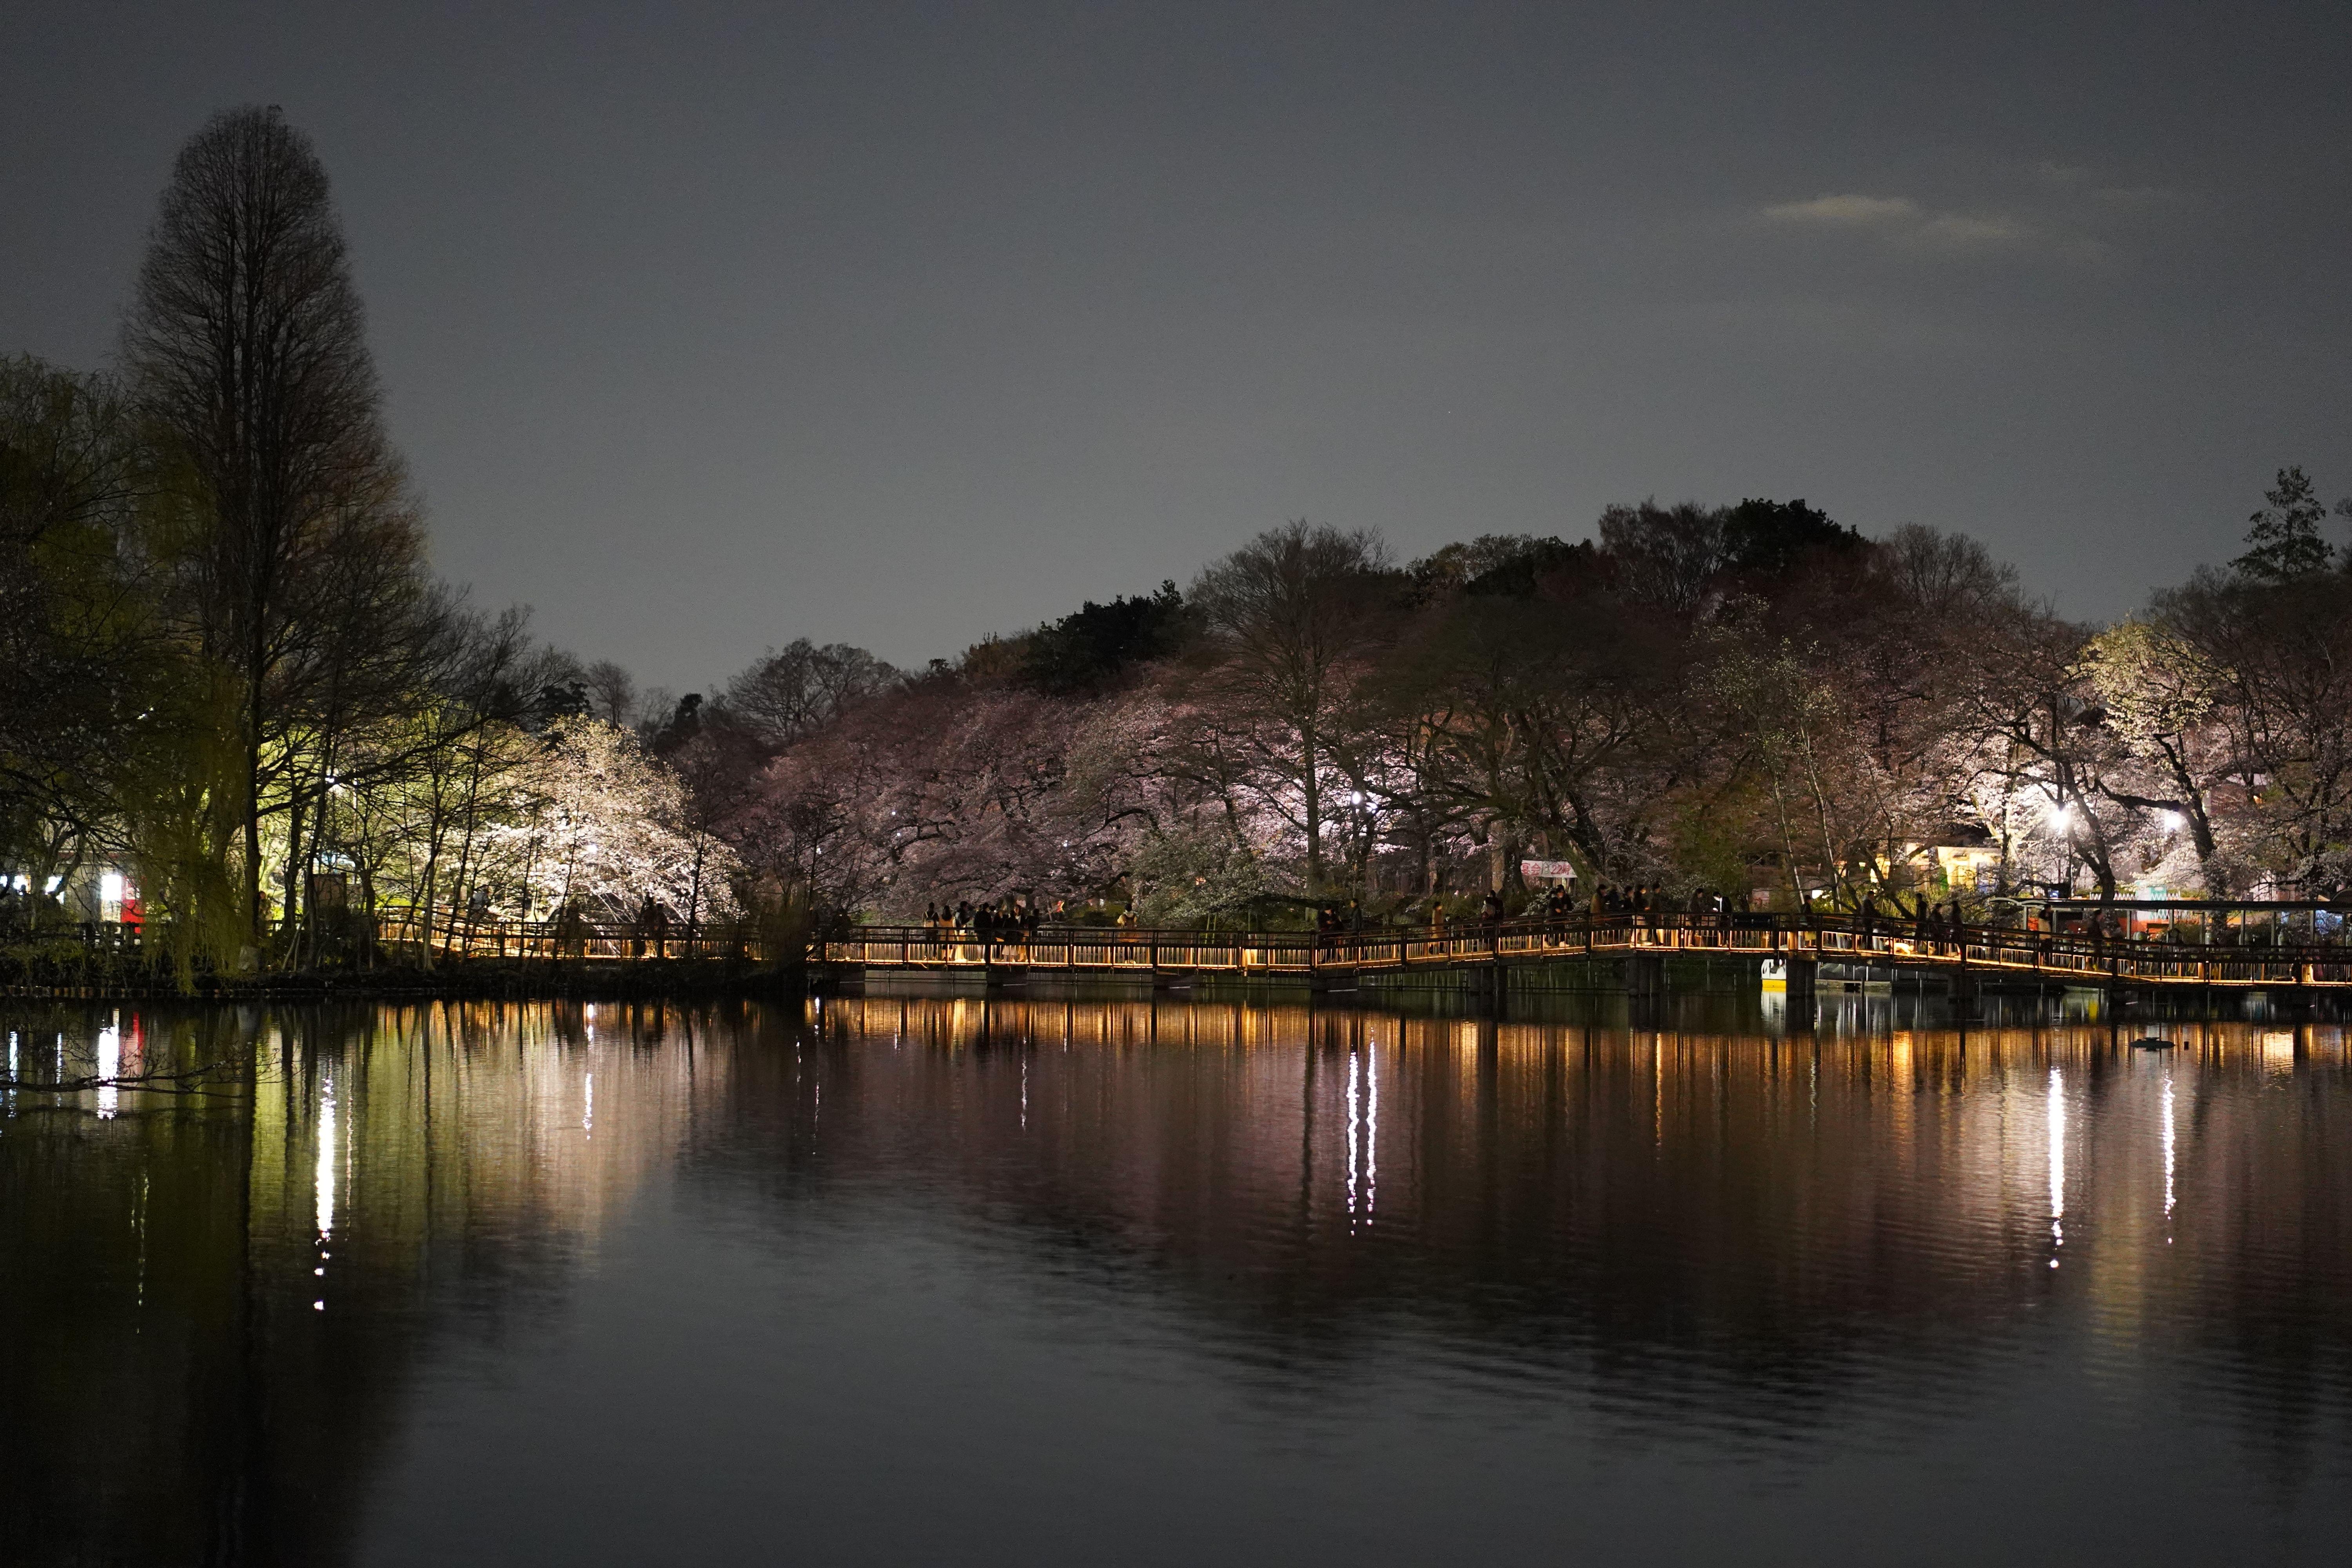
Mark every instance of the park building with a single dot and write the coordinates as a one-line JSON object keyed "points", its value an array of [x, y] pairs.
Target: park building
{"points": [[92, 894]]}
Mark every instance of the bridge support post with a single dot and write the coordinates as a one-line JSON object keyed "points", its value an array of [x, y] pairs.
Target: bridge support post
{"points": [[1805, 975], [1645, 975]]}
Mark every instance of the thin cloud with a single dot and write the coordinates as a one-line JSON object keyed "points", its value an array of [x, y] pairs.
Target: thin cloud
{"points": [[1848, 212], [1902, 221]]}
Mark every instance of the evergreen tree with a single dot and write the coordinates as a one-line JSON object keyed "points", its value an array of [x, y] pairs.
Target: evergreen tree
{"points": [[2283, 542]]}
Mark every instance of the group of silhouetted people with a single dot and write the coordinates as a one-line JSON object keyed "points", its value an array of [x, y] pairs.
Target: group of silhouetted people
{"points": [[1638, 900], [995, 918], [1926, 920]]}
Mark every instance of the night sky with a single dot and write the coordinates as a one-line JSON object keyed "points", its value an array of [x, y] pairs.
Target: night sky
{"points": [[709, 326]]}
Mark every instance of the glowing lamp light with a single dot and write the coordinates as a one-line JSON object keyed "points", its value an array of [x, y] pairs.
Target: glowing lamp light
{"points": [[2172, 821]]}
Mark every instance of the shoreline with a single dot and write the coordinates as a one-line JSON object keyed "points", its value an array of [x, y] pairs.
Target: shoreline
{"points": [[468, 980]]}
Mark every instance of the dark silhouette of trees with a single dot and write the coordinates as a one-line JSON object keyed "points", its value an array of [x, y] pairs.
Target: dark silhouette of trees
{"points": [[298, 549], [791, 691], [1084, 651], [1777, 536], [2282, 540], [77, 626]]}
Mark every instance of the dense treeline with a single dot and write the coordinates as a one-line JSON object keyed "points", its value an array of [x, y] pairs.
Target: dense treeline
{"points": [[1751, 701], [233, 682]]}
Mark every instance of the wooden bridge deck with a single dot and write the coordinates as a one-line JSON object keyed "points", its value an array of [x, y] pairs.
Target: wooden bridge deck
{"points": [[1993, 952]]}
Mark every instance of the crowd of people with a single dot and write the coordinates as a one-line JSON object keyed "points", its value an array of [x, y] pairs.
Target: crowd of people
{"points": [[994, 918]]}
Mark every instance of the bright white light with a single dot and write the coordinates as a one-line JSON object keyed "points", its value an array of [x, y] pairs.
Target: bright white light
{"points": [[2057, 1159], [110, 885], [2172, 821], [1364, 1133], [588, 1116], [110, 1062], [2167, 1153], [1351, 1132], [324, 1177], [53, 884], [2061, 817]]}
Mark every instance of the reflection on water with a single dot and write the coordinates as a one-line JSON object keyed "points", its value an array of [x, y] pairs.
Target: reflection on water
{"points": [[961, 1279]]}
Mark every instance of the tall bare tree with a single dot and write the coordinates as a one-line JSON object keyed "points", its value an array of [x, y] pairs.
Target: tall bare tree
{"points": [[246, 348], [1290, 616]]}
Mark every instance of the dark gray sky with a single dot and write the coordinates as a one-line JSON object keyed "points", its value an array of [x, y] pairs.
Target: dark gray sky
{"points": [[709, 326]]}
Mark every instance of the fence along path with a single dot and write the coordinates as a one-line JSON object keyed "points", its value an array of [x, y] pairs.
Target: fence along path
{"points": [[1992, 950]]}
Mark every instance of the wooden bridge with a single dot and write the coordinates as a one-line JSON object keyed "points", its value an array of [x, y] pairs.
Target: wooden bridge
{"points": [[1798, 945], [1795, 946]]}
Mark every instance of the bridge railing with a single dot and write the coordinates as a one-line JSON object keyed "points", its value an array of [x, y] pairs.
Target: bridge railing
{"points": [[1083, 949], [1829, 938], [593, 940]]}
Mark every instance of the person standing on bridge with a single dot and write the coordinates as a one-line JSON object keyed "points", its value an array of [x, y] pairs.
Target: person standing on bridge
{"points": [[652, 923]]}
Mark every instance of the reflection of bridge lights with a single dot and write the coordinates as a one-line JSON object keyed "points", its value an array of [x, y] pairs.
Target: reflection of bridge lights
{"points": [[2057, 1159], [110, 1062], [2168, 1159], [1351, 1132], [1363, 1176], [323, 1177]]}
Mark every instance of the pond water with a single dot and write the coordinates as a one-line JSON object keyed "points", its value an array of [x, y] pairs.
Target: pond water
{"points": [[949, 1280]]}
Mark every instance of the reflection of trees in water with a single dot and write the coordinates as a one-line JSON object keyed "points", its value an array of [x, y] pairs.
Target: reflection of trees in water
{"points": [[1742, 1233], [1751, 1231], [194, 1389], [2270, 1128]]}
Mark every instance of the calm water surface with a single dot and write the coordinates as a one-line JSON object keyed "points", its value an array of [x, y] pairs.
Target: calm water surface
{"points": [[926, 1281]]}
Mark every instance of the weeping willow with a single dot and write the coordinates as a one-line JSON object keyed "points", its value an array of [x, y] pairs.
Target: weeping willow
{"points": [[184, 808]]}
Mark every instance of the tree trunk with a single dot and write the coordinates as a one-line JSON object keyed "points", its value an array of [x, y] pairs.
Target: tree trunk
{"points": [[1308, 749]]}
